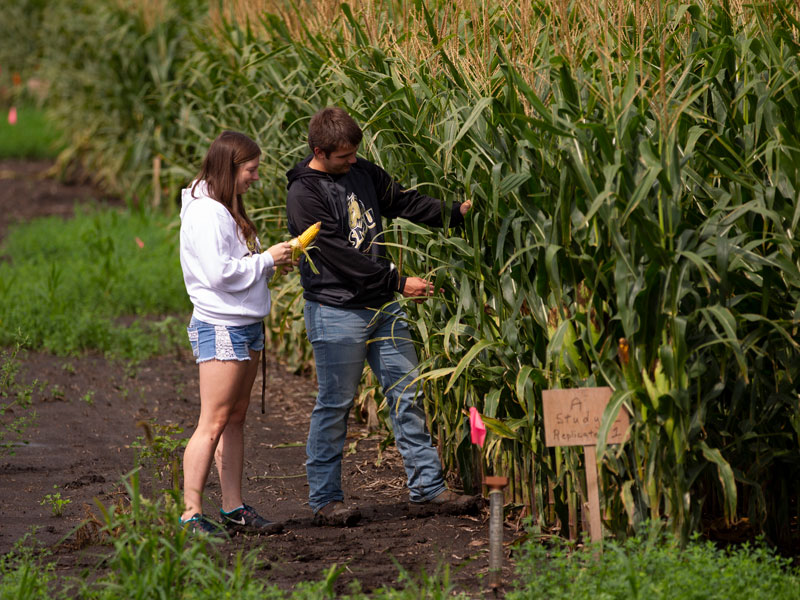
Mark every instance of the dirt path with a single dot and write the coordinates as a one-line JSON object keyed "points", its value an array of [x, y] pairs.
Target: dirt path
{"points": [[87, 414]]}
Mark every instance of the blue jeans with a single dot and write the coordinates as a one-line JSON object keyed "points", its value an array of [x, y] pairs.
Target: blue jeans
{"points": [[342, 339]]}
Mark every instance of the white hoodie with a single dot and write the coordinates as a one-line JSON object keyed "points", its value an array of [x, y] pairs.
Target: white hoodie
{"points": [[225, 281]]}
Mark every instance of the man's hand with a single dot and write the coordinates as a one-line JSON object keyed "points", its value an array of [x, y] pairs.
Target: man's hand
{"points": [[418, 289], [464, 208]]}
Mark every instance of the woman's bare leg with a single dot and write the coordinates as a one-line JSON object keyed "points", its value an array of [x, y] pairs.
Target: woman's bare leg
{"points": [[221, 385], [230, 450]]}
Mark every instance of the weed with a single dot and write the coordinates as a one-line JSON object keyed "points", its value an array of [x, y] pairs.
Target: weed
{"points": [[55, 502], [25, 572], [155, 556], [15, 401], [57, 393], [131, 369], [159, 448], [68, 368], [88, 397]]}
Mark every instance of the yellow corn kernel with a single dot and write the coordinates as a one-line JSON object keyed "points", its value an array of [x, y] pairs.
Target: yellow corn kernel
{"points": [[302, 241]]}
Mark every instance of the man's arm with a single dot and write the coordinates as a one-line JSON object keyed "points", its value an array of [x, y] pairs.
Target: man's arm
{"points": [[414, 206], [395, 201]]}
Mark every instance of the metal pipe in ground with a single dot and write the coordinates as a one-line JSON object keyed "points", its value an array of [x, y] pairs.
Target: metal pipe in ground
{"points": [[496, 485]]}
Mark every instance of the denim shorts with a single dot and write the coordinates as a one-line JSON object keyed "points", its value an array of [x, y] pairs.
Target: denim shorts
{"points": [[224, 342]]}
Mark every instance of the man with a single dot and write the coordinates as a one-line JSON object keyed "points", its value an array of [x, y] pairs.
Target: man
{"points": [[351, 313]]}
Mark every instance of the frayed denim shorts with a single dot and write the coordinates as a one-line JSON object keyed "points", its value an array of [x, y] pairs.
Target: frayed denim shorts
{"points": [[224, 342]]}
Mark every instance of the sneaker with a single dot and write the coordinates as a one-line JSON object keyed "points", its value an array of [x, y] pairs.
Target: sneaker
{"points": [[247, 520], [201, 524], [337, 514], [450, 502]]}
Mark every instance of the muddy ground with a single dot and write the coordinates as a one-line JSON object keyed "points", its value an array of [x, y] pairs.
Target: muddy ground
{"points": [[87, 411]]}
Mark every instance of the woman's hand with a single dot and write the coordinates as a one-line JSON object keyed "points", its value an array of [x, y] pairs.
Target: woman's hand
{"points": [[464, 208], [282, 254]]}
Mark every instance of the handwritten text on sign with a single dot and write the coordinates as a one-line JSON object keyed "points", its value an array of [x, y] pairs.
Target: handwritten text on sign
{"points": [[572, 417]]}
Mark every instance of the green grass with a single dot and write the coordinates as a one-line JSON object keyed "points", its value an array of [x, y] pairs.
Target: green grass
{"points": [[654, 568], [33, 135], [85, 283]]}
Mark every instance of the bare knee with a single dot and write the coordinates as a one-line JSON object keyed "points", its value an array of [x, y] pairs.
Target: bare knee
{"points": [[212, 429]]}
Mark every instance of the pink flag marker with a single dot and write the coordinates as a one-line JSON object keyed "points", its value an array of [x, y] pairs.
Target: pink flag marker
{"points": [[12, 115], [476, 427]]}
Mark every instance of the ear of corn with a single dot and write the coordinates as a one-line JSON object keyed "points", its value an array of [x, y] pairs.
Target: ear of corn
{"points": [[302, 241]]}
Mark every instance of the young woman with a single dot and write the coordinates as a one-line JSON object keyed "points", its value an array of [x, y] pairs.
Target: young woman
{"points": [[226, 276]]}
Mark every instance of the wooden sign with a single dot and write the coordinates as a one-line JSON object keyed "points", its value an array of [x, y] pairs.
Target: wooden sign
{"points": [[572, 418]]}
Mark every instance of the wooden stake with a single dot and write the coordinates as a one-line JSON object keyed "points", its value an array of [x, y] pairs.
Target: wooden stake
{"points": [[593, 494], [156, 182]]}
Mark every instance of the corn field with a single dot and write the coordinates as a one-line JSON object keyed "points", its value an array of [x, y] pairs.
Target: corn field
{"points": [[633, 169]]}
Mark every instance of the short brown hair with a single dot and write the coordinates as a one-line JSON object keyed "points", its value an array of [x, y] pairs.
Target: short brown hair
{"points": [[332, 128]]}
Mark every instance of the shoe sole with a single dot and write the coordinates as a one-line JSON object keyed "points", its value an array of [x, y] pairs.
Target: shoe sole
{"points": [[271, 529]]}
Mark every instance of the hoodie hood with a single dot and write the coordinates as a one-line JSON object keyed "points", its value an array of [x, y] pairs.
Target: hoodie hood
{"points": [[301, 170], [333, 191], [192, 193]]}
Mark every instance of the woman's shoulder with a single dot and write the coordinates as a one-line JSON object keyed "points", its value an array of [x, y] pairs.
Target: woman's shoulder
{"points": [[204, 205]]}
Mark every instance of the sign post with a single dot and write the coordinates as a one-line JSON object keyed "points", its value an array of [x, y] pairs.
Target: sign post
{"points": [[572, 418]]}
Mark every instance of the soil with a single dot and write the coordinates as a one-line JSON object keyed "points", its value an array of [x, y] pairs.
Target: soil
{"points": [[89, 412]]}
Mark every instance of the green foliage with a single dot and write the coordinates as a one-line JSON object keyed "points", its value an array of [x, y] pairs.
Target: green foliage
{"points": [[661, 213], [25, 572], [16, 414], [33, 135], [153, 556], [113, 68], [21, 42], [55, 502], [286, 333], [159, 448], [634, 223], [86, 283], [654, 568]]}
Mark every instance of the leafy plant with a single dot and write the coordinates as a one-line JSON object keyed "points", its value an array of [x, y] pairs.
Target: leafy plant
{"points": [[159, 448], [55, 502], [25, 572], [16, 415]]}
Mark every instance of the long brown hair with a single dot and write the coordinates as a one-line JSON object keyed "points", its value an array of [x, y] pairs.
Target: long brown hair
{"points": [[223, 160]]}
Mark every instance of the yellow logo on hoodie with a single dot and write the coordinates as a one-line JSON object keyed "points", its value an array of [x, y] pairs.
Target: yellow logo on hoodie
{"points": [[359, 220]]}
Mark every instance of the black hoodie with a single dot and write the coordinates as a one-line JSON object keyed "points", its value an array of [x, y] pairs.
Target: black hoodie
{"points": [[354, 271]]}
